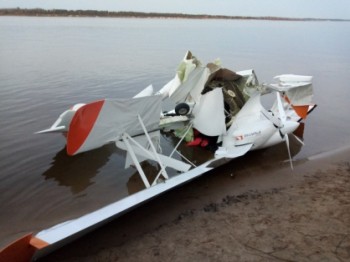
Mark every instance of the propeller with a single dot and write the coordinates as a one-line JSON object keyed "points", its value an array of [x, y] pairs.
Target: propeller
{"points": [[299, 140], [299, 133], [286, 127]]}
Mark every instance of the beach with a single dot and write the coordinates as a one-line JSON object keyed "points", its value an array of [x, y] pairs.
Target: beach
{"points": [[274, 214]]}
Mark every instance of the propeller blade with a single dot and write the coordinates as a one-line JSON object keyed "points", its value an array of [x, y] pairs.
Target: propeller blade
{"points": [[287, 127], [281, 111], [299, 140], [299, 132], [290, 156]]}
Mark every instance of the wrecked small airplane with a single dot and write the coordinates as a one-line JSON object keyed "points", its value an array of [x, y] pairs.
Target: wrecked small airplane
{"points": [[216, 109]]}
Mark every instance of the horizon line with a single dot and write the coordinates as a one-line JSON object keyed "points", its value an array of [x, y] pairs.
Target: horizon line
{"points": [[106, 13]]}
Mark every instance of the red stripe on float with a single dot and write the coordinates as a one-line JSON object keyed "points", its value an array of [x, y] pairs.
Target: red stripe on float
{"points": [[19, 250], [82, 123]]}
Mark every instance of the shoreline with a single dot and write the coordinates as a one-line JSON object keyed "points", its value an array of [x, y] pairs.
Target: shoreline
{"points": [[129, 14], [274, 215]]}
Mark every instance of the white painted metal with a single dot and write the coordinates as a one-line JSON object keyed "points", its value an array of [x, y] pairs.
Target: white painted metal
{"points": [[209, 117], [65, 230], [293, 78], [146, 154], [135, 160], [232, 152], [162, 167], [63, 121]]}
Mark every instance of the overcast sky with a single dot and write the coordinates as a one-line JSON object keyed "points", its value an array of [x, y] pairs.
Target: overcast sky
{"points": [[285, 8]]}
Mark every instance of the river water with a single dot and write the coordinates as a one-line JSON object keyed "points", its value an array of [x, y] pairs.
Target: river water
{"points": [[50, 64]]}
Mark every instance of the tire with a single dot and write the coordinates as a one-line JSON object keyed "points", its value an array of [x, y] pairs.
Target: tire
{"points": [[182, 109]]}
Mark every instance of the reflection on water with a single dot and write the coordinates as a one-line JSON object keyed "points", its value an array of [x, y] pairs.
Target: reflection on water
{"points": [[279, 153], [196, 154], [77, 171], [260, 161], [135, 183]]}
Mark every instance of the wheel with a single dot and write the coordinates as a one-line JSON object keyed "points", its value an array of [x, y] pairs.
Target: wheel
{"points": [[182, 109]]}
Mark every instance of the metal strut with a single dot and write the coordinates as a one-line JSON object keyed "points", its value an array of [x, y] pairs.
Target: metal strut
{"points": [[134, 148]]}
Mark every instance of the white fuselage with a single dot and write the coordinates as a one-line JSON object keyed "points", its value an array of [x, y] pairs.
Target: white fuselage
{"points": [[261, 134]]}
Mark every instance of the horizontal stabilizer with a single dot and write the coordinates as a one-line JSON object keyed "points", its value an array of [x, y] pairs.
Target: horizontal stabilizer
{"points": [[287, 86], [52, 130], [293, 78], [288, 82]]}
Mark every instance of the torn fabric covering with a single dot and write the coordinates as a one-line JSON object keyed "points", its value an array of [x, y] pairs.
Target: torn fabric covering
{"points": [[101, 122], [300, 95], [187, 65], [209, 114], [194, 84]]}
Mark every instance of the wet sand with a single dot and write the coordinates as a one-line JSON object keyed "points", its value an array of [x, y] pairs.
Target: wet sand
{"points": [[266, 214]]}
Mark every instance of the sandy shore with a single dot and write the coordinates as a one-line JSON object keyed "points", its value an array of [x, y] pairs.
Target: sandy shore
{"points": [[275, 215]]}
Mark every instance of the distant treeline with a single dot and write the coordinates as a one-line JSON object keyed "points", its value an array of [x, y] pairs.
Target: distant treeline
{"points": [[95, 13]]}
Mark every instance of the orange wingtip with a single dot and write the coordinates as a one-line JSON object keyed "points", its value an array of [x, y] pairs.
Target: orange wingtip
{"points": [[38, 243], [302, 111], [20, 250]]}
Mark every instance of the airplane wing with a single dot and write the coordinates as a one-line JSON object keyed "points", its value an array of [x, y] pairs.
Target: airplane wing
{"points": [[233, 152], [225, 155]]}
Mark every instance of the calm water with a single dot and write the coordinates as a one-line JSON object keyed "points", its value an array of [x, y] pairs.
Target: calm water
{"points": [[49, 64]]}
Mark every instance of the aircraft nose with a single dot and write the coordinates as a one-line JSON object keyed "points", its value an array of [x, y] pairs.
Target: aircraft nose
{"points": [[289, 127]]}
